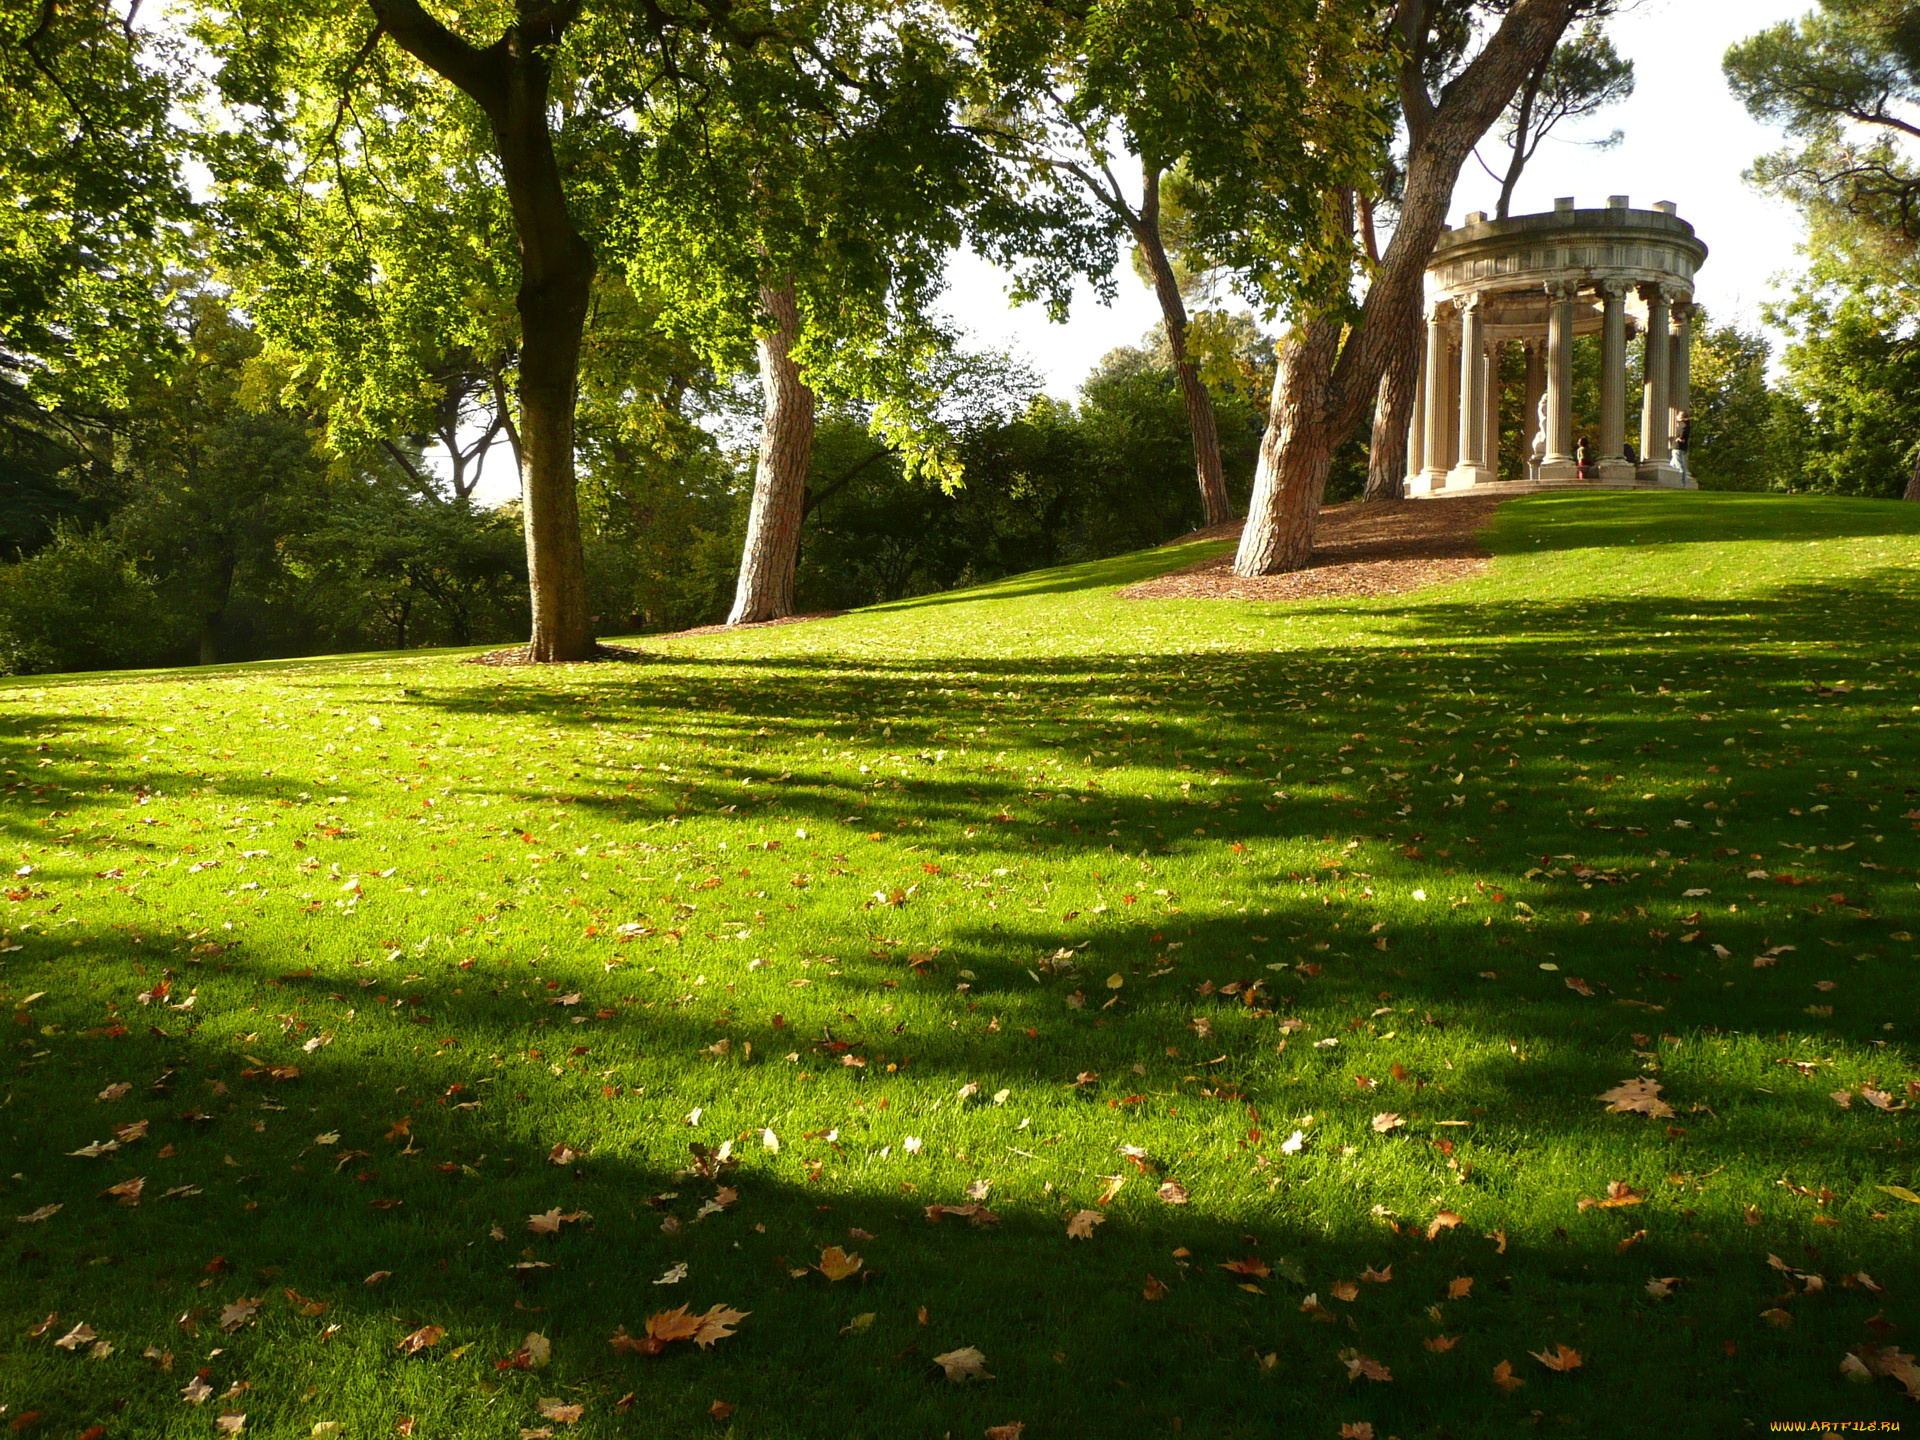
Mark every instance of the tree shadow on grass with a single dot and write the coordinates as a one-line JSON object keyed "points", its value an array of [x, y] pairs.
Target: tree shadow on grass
{"points": [[1067, 1327]]}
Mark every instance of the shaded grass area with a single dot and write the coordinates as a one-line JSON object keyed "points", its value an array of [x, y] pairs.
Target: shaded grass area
{"points": [[1183, 877]]}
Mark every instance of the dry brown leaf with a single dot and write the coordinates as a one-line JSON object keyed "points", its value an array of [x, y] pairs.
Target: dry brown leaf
{"points": [[720, 1410], [1440, 1344], [1344, 1290], [421, 1339], [1173, 1192], [1253, 1265], [1154, 1289], [1460, 1287], [238, 1313], [836, 1264], [556, 1409], [1619, 1194], [1080, 1227], [1386, 1122], [1445, 1220], [966, 1363], [1010, 1431], [1504, 1377], [1357, 1430], [1377, 1277], [1364, 1367], [1638, 1096], [1560, 1358], [717, 1324]]}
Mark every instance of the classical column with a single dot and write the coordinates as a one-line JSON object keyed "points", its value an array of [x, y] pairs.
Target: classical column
{"points": [[1417, 425], [1558, 463], [1680, 380], [1450, 422], [1534, 433], [1471, 466], [1434, 387], [1654, 417], [1491, 442], [1613, 383]]}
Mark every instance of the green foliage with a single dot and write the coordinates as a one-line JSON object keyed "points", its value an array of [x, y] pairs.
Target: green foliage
{"points": [[1744, 436], [91, 198], [81, 603], [1047, 483], [1265, 107], [1841, 81], [1853, 368]]}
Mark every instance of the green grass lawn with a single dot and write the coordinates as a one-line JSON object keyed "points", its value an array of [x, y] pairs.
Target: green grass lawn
{"points": [[1294, 942]]}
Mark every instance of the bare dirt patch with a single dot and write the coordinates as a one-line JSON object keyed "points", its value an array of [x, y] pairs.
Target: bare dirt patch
{"points": [[753, 624], [602, 654], [1360, 550]]}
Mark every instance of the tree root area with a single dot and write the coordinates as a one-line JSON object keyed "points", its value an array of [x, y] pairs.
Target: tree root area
{"points": [[602, 654], [1360, 549]]}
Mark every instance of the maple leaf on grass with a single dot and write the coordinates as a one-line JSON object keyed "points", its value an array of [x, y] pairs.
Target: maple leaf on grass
{"points": [[81, 1334], [1445, 1220], [1173, 1192], [1386, 1122], [668, 1326], [1460, 1287], [1638, 1096], [1357, 1430], [1080, 1227], [1154, 1289], [966, 1363], [836, 1264], [1440, 1344], [1253, 1265], [1010, 1431], [1560, 1358], [1504, 1377], [552, 1408], [238, 1313]]}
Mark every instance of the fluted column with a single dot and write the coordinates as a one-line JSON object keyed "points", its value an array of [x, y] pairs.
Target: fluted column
{"points": [[1433, 451], [1490, 442], [1558, 462], [1417, 427], [1613, 383], [1680, 380], [1471, 467], [1654, 416]]}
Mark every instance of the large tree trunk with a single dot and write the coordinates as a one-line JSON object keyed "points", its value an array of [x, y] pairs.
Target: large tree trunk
{"points": [[772, 549], [1392, 417], [1913, 481], [1214, 503], [1288, 488], [511, 82], [1296, 455]]}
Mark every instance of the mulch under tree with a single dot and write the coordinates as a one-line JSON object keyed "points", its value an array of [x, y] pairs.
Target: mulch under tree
{"points": [[1360, 550]]}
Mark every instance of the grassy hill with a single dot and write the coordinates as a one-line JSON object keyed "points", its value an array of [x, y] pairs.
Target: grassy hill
{"points": [[1283, 950]]}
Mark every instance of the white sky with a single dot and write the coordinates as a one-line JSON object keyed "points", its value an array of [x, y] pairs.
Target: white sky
{"points": [[1687, 140]]}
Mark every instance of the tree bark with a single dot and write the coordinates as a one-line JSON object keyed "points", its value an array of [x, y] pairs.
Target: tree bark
{"points": [[1913, 482], [1392, 415], [772, 548], [1208, 470], [511, 81], [1313, 412]]}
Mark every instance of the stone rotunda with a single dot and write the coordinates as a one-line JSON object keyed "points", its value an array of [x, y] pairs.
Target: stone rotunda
{"points": [[1539, 281]]}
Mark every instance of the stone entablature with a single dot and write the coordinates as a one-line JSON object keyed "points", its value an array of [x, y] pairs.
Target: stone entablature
{"points": [[1542, 280], [1582, 245]]}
